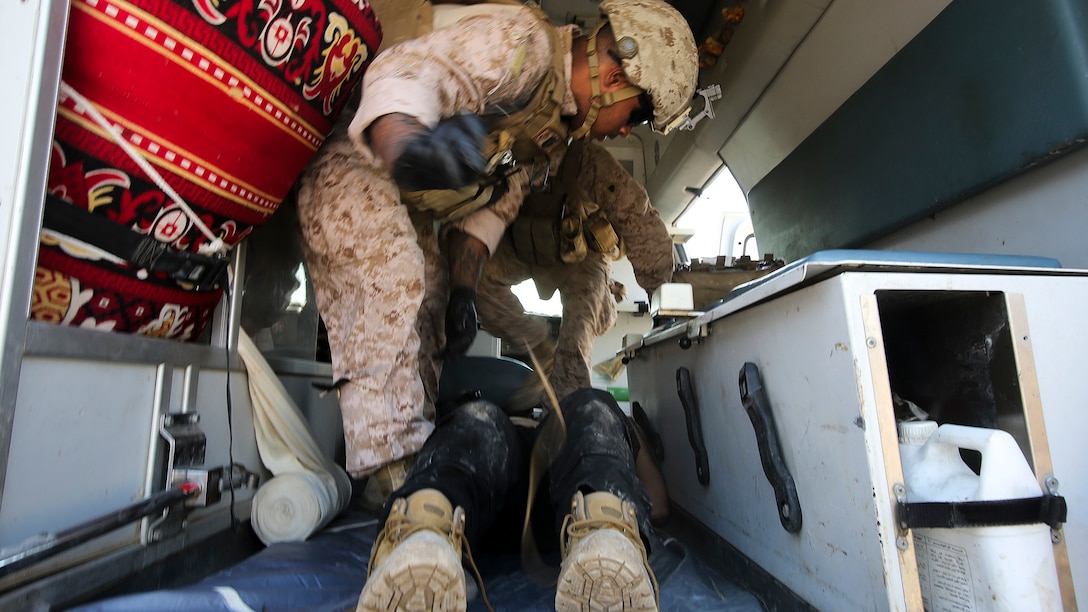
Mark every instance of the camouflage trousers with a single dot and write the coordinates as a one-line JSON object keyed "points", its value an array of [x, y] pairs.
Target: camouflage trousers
{"points": [[380, 288], [589, 310]]}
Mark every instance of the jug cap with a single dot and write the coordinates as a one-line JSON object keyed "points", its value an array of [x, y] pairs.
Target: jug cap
{"points": [[916, 432]]}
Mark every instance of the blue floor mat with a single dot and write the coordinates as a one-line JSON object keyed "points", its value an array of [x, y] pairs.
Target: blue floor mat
{"points": [[686, 585], [327, 572]]}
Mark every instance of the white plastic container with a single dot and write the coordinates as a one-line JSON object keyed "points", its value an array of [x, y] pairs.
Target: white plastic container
{"points": [[1007, 568]]}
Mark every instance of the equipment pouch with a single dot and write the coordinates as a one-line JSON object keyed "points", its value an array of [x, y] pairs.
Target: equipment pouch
{"points": [[572, 240], [535, 240], [600, 234]]}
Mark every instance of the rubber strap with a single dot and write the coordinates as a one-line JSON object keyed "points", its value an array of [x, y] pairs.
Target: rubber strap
{"points": [[1048, 509]]}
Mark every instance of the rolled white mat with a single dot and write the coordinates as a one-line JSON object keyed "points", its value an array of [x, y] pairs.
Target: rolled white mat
{"points": [[291, 507], [307, 490]]}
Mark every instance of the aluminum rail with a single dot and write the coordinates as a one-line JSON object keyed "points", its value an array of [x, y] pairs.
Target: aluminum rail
{"points": [[46, 545]]}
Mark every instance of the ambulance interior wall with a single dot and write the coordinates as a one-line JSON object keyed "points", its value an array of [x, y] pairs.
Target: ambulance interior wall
{"points": [[1041, 212]]}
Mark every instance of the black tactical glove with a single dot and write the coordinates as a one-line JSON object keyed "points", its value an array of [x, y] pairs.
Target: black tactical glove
{"points": [[460, 322], [447, 157]]}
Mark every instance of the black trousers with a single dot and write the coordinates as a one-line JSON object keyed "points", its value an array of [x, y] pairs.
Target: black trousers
{"points": [[480, 461]]}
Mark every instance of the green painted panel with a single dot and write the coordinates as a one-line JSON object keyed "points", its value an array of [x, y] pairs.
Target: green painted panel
{"points": [[989, 89], [620, 394]]}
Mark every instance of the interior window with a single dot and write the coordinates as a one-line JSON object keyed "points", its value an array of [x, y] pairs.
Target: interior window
{"points": [[720, 221], [721, 225], [527, 294]]}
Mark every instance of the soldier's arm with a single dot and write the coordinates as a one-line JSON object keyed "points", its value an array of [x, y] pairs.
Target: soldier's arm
{"points": [[488, 224], [464, 68], [467, 256], [627, 207], [388, 135]]}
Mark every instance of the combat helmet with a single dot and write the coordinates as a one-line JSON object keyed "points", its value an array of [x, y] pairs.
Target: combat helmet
{"points": [[659, 57]]}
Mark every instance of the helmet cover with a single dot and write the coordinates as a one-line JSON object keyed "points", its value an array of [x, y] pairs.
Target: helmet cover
{"points": [[658, 53]]}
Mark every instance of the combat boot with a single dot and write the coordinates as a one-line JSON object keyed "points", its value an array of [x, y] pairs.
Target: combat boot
{"points": [[381, 484], [416, 561], [604, 560]]}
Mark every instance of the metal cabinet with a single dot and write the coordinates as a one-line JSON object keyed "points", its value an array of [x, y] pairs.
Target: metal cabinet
{"points": [[974, 340]]}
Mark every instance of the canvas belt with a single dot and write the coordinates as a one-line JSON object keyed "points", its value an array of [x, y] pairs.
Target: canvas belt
{"points": [[549, 441], [143, 252]]}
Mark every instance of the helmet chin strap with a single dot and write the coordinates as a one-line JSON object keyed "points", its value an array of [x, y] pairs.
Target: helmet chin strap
{"points": [[596, 98]]}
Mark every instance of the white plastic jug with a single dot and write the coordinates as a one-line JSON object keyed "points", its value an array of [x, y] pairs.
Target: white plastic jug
{"points": [[978, 568]]}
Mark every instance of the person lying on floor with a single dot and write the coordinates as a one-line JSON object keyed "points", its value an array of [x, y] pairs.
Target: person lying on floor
{"points": [[468, 490]]}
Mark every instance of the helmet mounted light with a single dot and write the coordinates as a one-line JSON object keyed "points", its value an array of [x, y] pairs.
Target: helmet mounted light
{"points": [[685, 120]]}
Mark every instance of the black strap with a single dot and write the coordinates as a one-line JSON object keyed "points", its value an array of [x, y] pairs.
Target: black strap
{"points": [[327, 388], [1048, 509], [205, 272]]}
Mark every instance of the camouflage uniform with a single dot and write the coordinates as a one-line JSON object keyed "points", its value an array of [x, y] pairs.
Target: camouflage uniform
{"points": [[378, 274], [585, 288]]}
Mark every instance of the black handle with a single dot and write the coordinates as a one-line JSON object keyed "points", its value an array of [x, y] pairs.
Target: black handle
{"points": [[695, 426], [770, 448]]}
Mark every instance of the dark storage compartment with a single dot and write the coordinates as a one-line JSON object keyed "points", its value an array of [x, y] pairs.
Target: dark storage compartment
{"points": [[952, 354]]}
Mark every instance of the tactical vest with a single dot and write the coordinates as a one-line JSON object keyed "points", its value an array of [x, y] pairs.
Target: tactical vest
{"points": [[531, 139], [562, 225]]}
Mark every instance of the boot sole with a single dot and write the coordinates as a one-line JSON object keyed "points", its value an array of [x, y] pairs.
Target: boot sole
{"points": [[604, 573], [422, 574]]}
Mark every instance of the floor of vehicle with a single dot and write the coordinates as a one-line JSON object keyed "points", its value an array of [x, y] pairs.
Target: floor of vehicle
{"points": [[328, 571]]}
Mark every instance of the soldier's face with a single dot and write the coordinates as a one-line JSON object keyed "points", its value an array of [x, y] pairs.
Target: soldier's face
{"points": [[617, 120]]}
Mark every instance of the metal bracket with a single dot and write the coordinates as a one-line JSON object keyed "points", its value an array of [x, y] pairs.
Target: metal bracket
{"points": [[697, 332], [900, 491], [1052, 489], [687, 121], [631, 345], [186, 442], [213, 482], [186, 448]]}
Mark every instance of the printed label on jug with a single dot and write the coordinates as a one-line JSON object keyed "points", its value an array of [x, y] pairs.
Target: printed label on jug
{"points": [[944, 572]]}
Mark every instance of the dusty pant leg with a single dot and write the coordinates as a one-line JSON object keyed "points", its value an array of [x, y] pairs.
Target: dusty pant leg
{"points": [[431, 323], [589, 310], [474, 458], [599, 455], [368, 276], [501, 313]]}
